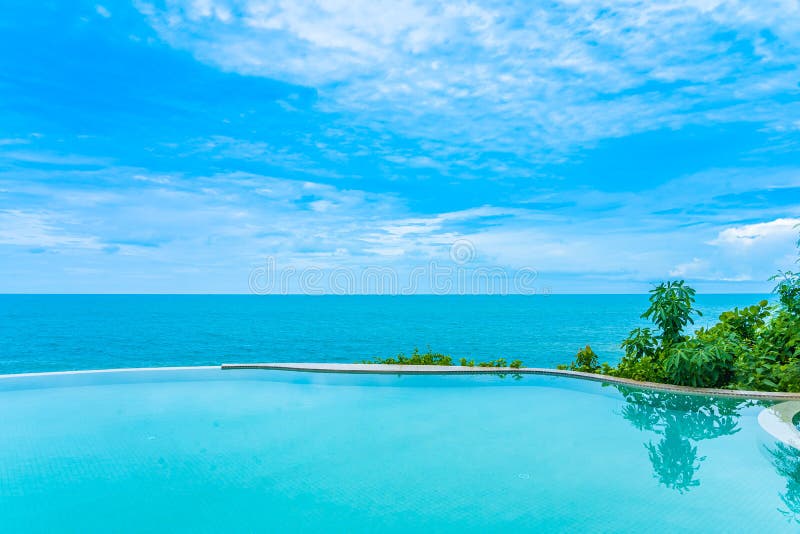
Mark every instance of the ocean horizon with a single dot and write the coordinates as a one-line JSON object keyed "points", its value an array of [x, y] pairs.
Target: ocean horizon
{"points": [[41, 333]]}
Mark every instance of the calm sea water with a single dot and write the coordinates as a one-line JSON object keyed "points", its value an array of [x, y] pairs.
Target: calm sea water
{"points": [[61, 332]]}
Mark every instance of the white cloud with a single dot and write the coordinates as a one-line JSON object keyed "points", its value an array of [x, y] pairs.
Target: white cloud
{"points": [[102, 11], [14, 141], [507, 75], [689, 269], [749, 236], [40, 229], [705, 270], [743, 253], [50, 158], [225, 147], [225, 223]]}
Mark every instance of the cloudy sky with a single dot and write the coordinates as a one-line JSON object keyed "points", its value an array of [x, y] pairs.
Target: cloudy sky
{"points": [[177, 146]]}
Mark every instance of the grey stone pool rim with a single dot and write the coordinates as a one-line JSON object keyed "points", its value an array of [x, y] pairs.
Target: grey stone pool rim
{"points": [[381, 369], [361, 368]]}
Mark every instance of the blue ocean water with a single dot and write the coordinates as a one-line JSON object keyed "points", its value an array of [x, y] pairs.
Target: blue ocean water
{"points": [[206, 450], [66, 332]]}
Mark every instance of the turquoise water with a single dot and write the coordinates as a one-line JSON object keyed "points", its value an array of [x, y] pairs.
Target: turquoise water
{"points": [[248, 451], [60, 332]]}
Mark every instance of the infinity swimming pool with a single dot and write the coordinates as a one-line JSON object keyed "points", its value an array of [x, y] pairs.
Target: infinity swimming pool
{"points": [[206, 450]]}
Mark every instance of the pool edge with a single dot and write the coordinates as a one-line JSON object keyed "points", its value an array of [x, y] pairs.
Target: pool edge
{"points": [[356, 368], [359, 368], [116, 370]]}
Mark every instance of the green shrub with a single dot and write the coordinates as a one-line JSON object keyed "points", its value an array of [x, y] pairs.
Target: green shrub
{"points": [[644, 369], [753, 372], [641, 361], [788, 290], [768, 362], [435, 358], [746, 322], [639, 343], [416, 358], [789, 377], [779, 342], [501, 362], [704, 362], [585, 361]]}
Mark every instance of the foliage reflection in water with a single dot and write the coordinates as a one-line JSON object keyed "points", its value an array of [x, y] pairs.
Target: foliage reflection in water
{"points": [[786, 460], [681, 421]]}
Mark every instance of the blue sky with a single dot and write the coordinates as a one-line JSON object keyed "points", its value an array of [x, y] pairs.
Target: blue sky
{"points": [[174, 147]]}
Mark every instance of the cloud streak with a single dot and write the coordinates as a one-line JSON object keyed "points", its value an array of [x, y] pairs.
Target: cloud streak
{"points": [[188, 228], [512, 76]]}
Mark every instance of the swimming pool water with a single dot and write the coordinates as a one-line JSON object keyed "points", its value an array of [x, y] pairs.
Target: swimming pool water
{"points": [[205, 450]]}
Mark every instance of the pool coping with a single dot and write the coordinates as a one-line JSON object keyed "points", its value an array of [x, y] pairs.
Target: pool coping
{"points": [[383, 369], [361, 368], [117, 370]]}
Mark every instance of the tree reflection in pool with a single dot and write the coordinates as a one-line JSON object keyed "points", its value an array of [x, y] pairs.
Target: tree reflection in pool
{"points": [[786, 460], [682, 421]]}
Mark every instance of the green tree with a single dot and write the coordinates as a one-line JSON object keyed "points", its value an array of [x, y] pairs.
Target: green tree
{"points": [[671, 309]]}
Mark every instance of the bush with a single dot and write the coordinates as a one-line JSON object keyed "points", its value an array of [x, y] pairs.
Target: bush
{"points": [[585, 361], [644, 369], [789, 377], [640, 343], [703, 361], [788, 290], [416, 358], [746, 322], [501, 362], [780, 340], [641, 360], [435, 358]]}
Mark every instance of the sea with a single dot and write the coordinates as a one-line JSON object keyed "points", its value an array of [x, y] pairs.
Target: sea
{"points": [[40, 333]]}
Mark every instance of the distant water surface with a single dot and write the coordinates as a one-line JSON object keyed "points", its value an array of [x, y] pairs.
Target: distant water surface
{"points": [[64, 332]]}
